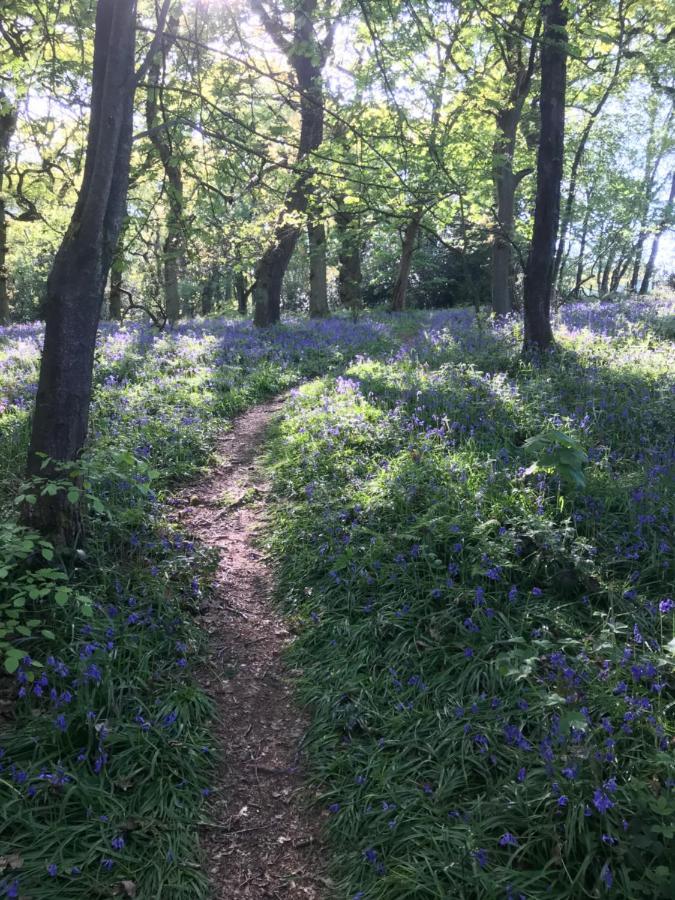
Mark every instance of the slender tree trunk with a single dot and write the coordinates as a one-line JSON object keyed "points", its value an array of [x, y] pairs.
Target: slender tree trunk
{"points": [[585, 134], [579, 280], [637, 262], [318, 279], [7, 127], [307, 56], [170, 256], [208, 291], [77, 280], [349, 259], [604, 280], [241, 293], [666, 221], [653, 157], [173, 249], [520, 71], [115, 296], [540, 272], [618, 273], [398, 299], [502, 243]]}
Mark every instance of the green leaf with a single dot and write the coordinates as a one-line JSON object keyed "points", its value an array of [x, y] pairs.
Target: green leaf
{"points": [[11, 663]]}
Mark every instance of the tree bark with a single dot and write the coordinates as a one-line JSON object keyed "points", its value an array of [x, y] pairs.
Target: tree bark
{"points": [[7, 127], [115, 296], [540, 272], [505, 180], [318, 279], [349, 259], [398, 299], [666, 221], [208, 291], [241, 293], [307, 56], [581, 147], [77, 280], [652, 160], [173, 249], [579, 280], [618, 273]]}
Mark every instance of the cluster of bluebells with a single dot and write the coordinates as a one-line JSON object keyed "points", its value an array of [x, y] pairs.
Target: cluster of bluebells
{"points": [[472, 640]]}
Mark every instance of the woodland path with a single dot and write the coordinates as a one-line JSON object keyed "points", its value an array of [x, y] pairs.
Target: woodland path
{"points": [[265, 842]]}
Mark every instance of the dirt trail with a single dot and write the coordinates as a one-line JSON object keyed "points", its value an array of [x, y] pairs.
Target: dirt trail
{"points": [[266, 844]]}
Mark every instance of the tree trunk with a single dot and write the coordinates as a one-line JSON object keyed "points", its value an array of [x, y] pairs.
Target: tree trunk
{"points": [[349, 259], [637, 262], [77, 280], [398, 299], [208, 291], [539, 275], [502, 242], [115, 296], [241, 293], [604, 280], [170, 256], [173, 249], [7, 126], [318, 279], [585, 134], [618, 273], [666, 221], [579, 280], [520, 72], [307, 56]]}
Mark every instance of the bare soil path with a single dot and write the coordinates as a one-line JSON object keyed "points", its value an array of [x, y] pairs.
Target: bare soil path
{"points": [[266, 843]]}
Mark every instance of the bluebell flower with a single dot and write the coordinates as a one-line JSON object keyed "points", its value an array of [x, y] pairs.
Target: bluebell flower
{"points": [[508, 840], [481, 857]]}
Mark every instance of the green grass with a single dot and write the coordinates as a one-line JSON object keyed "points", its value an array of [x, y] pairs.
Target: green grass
{"points": [[485, 650], [106, 768]]}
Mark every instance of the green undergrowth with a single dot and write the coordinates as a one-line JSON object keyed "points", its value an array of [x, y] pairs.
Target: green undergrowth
{"points": [[485, 614], [106, 757]]}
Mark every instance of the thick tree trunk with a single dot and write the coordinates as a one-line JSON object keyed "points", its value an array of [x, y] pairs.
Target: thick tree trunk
{"points": [[540, 272], [77, 280], [7, 127], [349, 259], [307, 56], [399, 294], [318, 278], [269, 277], [666, 221]]}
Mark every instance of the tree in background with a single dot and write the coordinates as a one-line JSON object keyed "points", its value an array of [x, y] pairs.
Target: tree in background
{"points": [[307, 53], [540, 270]]}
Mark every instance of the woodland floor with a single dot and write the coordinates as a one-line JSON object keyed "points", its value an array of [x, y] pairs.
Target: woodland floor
{"points": [[265, 842]]}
